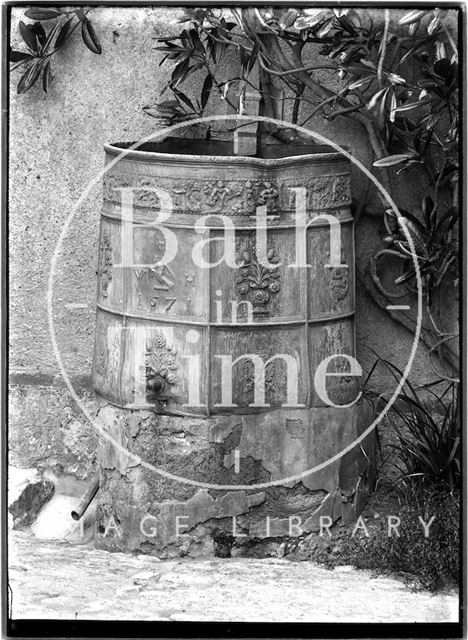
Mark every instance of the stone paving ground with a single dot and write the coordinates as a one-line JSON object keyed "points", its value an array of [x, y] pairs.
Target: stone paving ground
{"points": [[62, 581]]}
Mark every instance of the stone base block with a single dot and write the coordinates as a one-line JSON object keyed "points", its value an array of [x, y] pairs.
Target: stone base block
{"points": [[180, 486]]}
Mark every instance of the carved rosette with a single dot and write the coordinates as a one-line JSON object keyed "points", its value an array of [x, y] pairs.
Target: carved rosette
{"points": [[256, 282], [160, 367], [105, 263], [231, 197]]}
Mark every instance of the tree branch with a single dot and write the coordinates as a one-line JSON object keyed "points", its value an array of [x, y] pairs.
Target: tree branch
{"points": [[448, 356]]}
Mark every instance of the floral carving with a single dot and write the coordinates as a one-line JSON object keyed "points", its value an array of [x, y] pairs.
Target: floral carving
{"points": [[256, 281], [341, 190], [160, 366], [339, 284], [105, 263], [251, 382]]}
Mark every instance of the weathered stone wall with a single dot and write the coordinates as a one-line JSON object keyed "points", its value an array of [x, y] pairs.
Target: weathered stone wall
{"points": [[49, 432], [56, 148]]}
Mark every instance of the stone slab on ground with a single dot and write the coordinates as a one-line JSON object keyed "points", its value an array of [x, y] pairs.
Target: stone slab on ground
{"points": [[31, 499], [51, 579]]}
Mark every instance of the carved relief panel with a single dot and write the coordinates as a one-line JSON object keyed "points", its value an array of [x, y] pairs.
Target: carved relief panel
{"points": [[329, 339], [231, 197], [263, 287], [108, 355], [185, 325], [278, 380], [166, 366], [178, 288], [331, 289], [110, 276]]}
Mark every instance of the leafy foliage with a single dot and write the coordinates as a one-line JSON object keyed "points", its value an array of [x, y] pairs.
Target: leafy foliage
{"points": [[403, 77], [42, 45], [436, 249], [196, 48], [427, 446], [435, 559], [168, 112]]}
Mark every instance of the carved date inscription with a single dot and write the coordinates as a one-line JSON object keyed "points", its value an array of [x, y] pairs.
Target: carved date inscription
{"points": [[161, 279]]}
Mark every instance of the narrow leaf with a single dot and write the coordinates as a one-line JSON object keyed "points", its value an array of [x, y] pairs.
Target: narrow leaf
{"points": [[28, 36], [433, 25], [359, 83], [388, 161], [427, 208], [180, 71], [383, 104], [42, 14], [46, 77], [29, 78], [409, 220], [373, 101], [185, 99], [18, 56], [412, 16], [411, 105], [50, 37], [253, 57], [167, 105], [211, 44], [64, 32], [153, 112], [89, 37], [393, 106], [38, 30], [206, 90]]}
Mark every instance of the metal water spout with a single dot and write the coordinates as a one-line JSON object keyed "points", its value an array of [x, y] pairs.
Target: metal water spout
{"points": [[86, 499]]}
